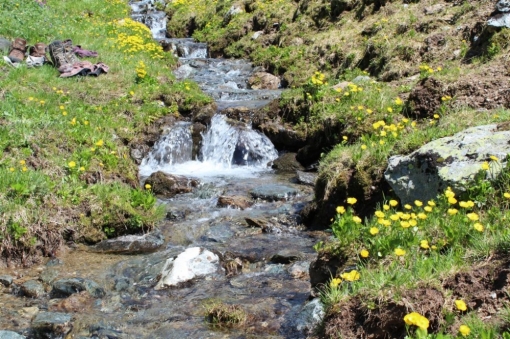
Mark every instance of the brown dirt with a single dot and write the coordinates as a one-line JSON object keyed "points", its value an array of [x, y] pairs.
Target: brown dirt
{"points": [[484, 289]]}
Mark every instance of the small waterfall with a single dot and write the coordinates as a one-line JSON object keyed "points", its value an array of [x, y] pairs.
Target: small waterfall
{"points": [[173, 148], [226, 149]]}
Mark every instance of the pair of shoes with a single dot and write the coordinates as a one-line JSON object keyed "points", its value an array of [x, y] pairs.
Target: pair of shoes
{"points": [[37, 55], [18, 50], [61, 53]]}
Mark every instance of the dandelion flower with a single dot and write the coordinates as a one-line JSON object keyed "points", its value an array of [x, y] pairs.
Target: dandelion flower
{"points": [[494, 158], [431, 203], [424, 244], [71, 164], [485, 166], [418, 203], [364, 253], [390, 110], [386, 207], [351, 276], [473, 216], [506, 195], [379, 214], [461, 305], [479, 227], [416, 319], [148, 186], [452, 211], [374, 230], [351, 201], [335, 282], [99, 143], [340, 210], [363, 147], [428, 208], [399, 252], [464, 330], [405, 224], [356, 219], [452, 200], [422, 216], [408, 207], [393, 203]]}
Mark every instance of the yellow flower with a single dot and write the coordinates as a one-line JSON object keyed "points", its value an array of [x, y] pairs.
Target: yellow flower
{"points": [[61, 107], [399, 252], [473, 216], [413, 222], [436, 116], [461, 305], [374, 230], [99, 143], [363, 147], [379, 214], [408, 207], [340, 210], [478, 227], [22, 162], [424, 244], [394, 217], [452, 200], [494, 158], [11, 169], [464, 330], [71, 164], [345, 137], [351, 201], [390, 110], [82, 168], [364, 253], [30, 98], [335, 282], [449, 193], [24, 169], [418, 203], [351, 276], [422, 216], [386, 207], [416, 319], [452, 211], [356, 219], [132, 93], [148, 186], [428, 208], [405, 224], [485, 166], [466, 204], [64, 113], [506, 195], [431, 203], [398, 101]]}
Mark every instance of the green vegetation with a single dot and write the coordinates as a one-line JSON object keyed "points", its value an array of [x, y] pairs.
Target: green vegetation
{"points": [[65, 170], [221, 315]]}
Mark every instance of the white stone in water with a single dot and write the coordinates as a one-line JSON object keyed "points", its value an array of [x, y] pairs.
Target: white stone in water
{"points": [[194, 262]]}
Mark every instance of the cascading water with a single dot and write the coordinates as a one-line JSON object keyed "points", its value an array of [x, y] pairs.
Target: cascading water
{"points": [[226, 150]]}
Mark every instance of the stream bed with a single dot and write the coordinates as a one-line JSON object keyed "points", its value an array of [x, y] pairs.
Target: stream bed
{"points": [[263, 251]]}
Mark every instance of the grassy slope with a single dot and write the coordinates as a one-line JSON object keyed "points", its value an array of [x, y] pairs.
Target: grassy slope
{"points": [[316, 44], [65, 169]]}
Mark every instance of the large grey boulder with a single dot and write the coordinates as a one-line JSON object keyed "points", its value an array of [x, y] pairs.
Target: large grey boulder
{"points": [[10, 335], [310, 316], [501, 18], [194, 262], [448, 162]]}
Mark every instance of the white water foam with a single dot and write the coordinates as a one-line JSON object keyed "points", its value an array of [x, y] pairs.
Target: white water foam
{"points": [[227, 151]]}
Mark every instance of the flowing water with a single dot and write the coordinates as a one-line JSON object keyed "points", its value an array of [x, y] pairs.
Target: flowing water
{"points": [[267, 270]]}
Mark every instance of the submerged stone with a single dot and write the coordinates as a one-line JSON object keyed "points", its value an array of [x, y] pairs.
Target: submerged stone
{"points": [[273, 192], [51, 325], [32, 289], [10, 335], [65, 287], [132, 244]]}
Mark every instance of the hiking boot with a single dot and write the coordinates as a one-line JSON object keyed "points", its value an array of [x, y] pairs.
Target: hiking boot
{"points": [[18, 50], [38, 50], [61, 53]]}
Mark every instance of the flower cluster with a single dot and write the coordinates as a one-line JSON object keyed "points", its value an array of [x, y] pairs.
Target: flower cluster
{"points": [[141, 72], [133, 37]]}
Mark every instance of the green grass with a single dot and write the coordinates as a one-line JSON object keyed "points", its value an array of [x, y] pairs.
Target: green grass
{"points": [[66, 169]]}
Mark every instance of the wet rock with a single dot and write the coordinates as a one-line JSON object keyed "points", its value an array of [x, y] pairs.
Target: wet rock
{"points": [[51, 325], [263, 80], [168, 185], [286, 256], [184, 71], [273, 192], [10, 335], [75, 303], [267, 226], [6, 280], [65, 287], [306, 178], [54, 262], [122, 284], [282, 136], [310, 316], [287, 163], [239, 113], [194, 262], [448, 162], [299, 270], [236, 201], [32, 289], [48, 275], [132, 244]]}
